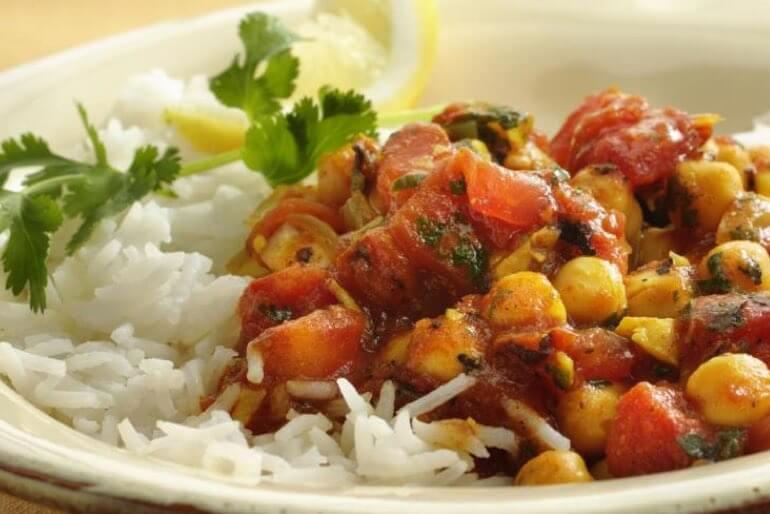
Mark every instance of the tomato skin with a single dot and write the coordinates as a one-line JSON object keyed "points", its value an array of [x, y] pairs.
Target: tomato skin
{"points": [[714, 324], [322, 345], [619, 129], [643, 436], [428, 228], [602, 232], [417, 147], [411, 265], [378, 274], [286, 294], [518, 199], [561, 143], [598, 353]]}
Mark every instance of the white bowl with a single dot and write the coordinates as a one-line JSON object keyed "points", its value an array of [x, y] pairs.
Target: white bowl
{"points": [[539, 56]]}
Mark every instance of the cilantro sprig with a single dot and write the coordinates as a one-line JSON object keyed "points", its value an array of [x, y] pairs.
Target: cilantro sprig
{"points": [[64, 188], [286, 147], [265, 39], [283, 146]]}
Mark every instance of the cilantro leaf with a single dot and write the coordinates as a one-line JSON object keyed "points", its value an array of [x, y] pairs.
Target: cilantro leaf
{"points": [[281, 72], [335, 102], [696, 446], [99, 151], [263, 37], [729, 444], [62, 187], [286, 147], [31, 220], [28, 150], [104, 192]]}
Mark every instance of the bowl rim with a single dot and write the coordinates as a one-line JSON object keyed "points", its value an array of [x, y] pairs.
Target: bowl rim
{"points": [[39, 469], [84, 481]]}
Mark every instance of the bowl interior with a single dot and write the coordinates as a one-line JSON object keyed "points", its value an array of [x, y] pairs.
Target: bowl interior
{"points": [[542, 57]]}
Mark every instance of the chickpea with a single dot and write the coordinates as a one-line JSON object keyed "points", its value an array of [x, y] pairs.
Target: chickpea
{"points": [[731, 389], [529, 255], [523, 300], [591, 289], [762, 183], [396, 349], [554, 467], [655, 244], [612, 190], [701, 192], [444, 347], [584, 415], [734, 154], [528, 157], [659, 290], [735, 265], [760, 156], [748, 219]]}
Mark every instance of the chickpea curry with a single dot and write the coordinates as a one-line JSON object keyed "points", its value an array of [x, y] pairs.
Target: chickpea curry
{"points": [[612, 280]]}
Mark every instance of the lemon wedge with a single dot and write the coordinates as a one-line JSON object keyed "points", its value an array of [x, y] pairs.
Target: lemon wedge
{"points": [[384, 48], [397, 62], [207, 130]]}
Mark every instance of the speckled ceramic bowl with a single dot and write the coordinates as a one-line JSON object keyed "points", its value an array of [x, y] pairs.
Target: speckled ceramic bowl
{"points": [[541, 56]]}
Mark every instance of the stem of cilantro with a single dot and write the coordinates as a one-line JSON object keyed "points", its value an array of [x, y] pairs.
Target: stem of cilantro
{"points": [[51, 184], [392, 119], [398, 118], [204, 165]]}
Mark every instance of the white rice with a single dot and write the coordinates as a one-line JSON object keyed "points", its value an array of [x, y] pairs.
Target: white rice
{"points": [[141, 319], [534, 425]]}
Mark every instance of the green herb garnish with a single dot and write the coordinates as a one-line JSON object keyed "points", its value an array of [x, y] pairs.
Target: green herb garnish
{"points": [[718, 281], [66, 188], [265, 39], [277, 314], [473, 257], [729, 444], [430, 232], [284, 147], [457, 187], [742, 233]]}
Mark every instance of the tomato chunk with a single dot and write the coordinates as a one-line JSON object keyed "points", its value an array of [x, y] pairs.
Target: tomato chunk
{"points": [[287, 294], [323, 345], [378, 274], [519, 199], [436, 235], [644, 436], [589, 229], [724, 323], [417, 149], [598, 353], [622, 130]]}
